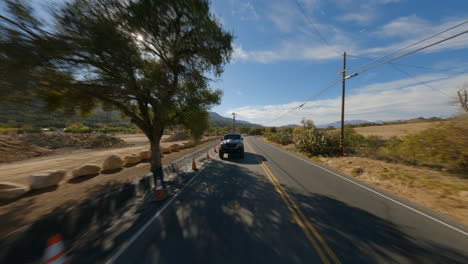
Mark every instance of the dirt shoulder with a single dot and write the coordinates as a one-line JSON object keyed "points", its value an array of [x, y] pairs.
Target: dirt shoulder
{"points": [[69, 159], [27, 209], [438, 190]]}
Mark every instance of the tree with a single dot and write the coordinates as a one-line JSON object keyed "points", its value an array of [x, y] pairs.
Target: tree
{"points": [[149, 59], [307, 123], [463, 99], [244, 129]]}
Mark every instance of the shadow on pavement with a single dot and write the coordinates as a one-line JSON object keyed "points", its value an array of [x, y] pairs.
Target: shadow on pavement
{"points": [[361, 237], [249, 158], [231, 214]]}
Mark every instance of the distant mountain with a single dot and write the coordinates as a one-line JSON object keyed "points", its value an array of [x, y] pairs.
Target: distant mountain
{"points": [[289, 126], [347, 122], [218, 120]]}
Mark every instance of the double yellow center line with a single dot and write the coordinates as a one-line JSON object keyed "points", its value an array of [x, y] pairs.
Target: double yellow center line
{"points": [[308, 229]]}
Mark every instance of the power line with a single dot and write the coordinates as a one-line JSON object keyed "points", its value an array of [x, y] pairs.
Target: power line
{"points": [[414, 78], [409, 46], [411, 52], [411, 76], [305, 102], [301, 9], [410, 65]]}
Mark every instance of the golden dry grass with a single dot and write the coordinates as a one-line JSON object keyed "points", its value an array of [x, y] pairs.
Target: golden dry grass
{"points": [[443, 192], [399, 130]]}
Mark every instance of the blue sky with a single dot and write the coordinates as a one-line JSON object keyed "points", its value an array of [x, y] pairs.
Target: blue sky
{"points": [[282, 57], [280, 60]]}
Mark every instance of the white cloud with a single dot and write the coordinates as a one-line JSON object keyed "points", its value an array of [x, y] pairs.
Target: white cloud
{"points": [[405, 26], [413, 29], [245, 10], [393, 100], [360, 18], [288, 51], [284, 16]]}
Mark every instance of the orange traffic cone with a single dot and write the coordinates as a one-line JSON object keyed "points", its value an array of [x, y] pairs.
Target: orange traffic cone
{"points": [[207, 155], [215, 151], [158, 191], [55, 251], [194, 165]]}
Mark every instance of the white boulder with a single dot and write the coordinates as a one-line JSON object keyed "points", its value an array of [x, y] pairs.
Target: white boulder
{"points": [[112, 162], [46, 179], [145, 154], [88, 169], [11, 190], [131, 159]]}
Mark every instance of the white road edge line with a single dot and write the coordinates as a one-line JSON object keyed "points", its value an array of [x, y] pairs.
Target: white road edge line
{"points": [[375, 192], [150, 221]]}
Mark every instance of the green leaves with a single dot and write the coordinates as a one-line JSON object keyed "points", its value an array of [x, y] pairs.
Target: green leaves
{"points": [[147, 58]]}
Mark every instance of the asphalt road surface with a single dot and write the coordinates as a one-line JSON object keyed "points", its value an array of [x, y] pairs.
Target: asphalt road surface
{"points": [[274, 207]]}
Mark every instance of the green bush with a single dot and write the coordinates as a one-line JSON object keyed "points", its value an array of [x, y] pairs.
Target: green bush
{"points": [[445, 146], [29, 130], [312, 141], [8, 130], [80, 129]]}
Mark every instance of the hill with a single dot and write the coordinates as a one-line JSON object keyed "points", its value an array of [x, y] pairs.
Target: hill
{"points": [[338, 123], [217, 120], [34, 115]]}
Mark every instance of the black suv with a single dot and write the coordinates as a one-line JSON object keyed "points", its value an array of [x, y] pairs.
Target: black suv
{"points": [[232, 143]]}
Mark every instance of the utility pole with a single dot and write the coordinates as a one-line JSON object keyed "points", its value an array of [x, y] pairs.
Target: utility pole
{"points": [[343, 104], [233, 122]]}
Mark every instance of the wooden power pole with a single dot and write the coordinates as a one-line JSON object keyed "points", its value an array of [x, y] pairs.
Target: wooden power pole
{"points": [[343, 104], [233, 122]]}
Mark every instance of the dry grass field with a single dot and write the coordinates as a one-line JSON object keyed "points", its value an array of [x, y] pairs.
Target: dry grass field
{"points": [[399, 130]]}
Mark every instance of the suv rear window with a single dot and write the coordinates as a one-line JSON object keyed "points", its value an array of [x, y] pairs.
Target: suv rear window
{"points": [[232, 136]]}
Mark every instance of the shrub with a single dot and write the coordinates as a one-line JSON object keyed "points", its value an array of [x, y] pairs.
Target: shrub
{"points": [[445, 145], [297, 131], [8, 130], [29, 130], [312, 141], [80, 128]]}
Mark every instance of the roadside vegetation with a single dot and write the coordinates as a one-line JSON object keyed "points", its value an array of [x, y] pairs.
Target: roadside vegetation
{"points": [[444, 146], [428, 167]]}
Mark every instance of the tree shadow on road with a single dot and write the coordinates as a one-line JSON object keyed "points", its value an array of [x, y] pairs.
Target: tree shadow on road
{"points": [[231, 214], [361, 237]]}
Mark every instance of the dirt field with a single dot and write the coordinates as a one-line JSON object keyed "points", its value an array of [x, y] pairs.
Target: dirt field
{"points": [[24, 211], [68, 159], [399, 130]]}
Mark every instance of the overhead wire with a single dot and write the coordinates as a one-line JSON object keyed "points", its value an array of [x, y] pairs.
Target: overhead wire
{"points": [[409, 46], [305, 102], [410, 65], [414, 78], [301, 9], [411, 52]]}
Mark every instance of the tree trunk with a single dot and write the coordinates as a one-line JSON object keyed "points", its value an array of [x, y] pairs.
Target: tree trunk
{"points": [[155, 159]]}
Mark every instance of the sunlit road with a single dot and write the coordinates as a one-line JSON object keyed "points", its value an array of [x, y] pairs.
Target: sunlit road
{"points": [[273, 207]]}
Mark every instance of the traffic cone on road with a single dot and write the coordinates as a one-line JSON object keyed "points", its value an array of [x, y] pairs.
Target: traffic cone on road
{"points": [[159, 191], [194, 165], [55, 251], [207, 155], [215, 151]]}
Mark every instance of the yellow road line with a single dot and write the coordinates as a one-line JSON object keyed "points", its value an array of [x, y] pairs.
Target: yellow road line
{"points": [[288, 200]]}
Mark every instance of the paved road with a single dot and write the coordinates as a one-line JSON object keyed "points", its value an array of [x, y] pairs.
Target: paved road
{"points": [[273, 207]]}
